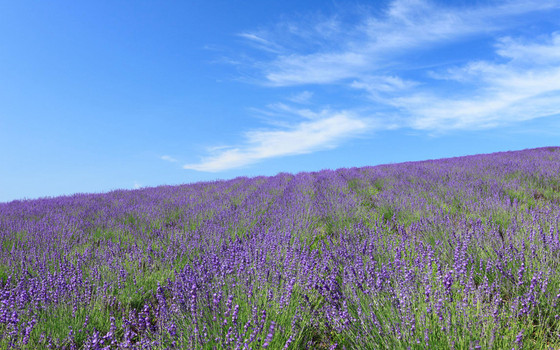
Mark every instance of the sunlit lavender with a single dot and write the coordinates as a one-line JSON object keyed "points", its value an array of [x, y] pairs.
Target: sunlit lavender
{"points": [[457, 253]]}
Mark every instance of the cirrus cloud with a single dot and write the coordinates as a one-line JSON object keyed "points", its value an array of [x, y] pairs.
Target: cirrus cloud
{"points": [[305, 137], [371, 65]]}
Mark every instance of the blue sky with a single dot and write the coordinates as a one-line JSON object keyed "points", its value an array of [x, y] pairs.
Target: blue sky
{"points": [[104, 95]]}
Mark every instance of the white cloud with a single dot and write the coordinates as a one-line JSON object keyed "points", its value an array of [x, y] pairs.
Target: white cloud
{"points": [[531, 52], [526, 86], [281, 108], [378, 87], [374, 56], [168, 158], [521, 81], [136, 185], [316, 68], [301, 98], [304, 137], [380, 42], [261, 43]]}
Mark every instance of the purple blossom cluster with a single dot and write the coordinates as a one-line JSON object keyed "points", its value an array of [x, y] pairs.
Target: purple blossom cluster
{"points": [[457, 253]]}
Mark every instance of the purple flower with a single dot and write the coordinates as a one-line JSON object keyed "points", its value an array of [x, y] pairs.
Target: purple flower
{"points": [[519, 339], [269, 336]]}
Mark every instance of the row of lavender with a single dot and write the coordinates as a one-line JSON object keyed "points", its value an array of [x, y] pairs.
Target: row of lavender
{"points": [[455, 253]]}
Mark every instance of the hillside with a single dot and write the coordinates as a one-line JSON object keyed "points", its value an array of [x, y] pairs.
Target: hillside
{"points": [[452, 253]]}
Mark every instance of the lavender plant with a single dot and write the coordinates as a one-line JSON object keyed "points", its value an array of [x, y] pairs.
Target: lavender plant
{"points": [[457, 253]]}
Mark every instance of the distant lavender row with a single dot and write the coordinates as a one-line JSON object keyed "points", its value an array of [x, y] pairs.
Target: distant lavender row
{"points": [[458, 253]]}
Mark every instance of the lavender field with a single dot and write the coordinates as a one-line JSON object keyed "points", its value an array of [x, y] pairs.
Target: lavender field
{"points": [[458, 253]]}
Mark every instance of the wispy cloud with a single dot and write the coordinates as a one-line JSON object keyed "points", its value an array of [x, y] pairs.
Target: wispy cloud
{"points": [[262, 43], [302, 97], [168, 158], [525, 86], [519, 81], [379, 87], [373, 60], [304, 137], [378, 42]]}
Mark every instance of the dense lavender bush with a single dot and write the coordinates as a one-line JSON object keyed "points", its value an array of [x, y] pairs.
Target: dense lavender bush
{"points": [[458, 253]]}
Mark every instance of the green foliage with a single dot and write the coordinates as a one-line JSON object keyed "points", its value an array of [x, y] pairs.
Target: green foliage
{"points": [[133, 296], [57, 321], [502, 220], [13, 241], [4, 273], [387, 212]]}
